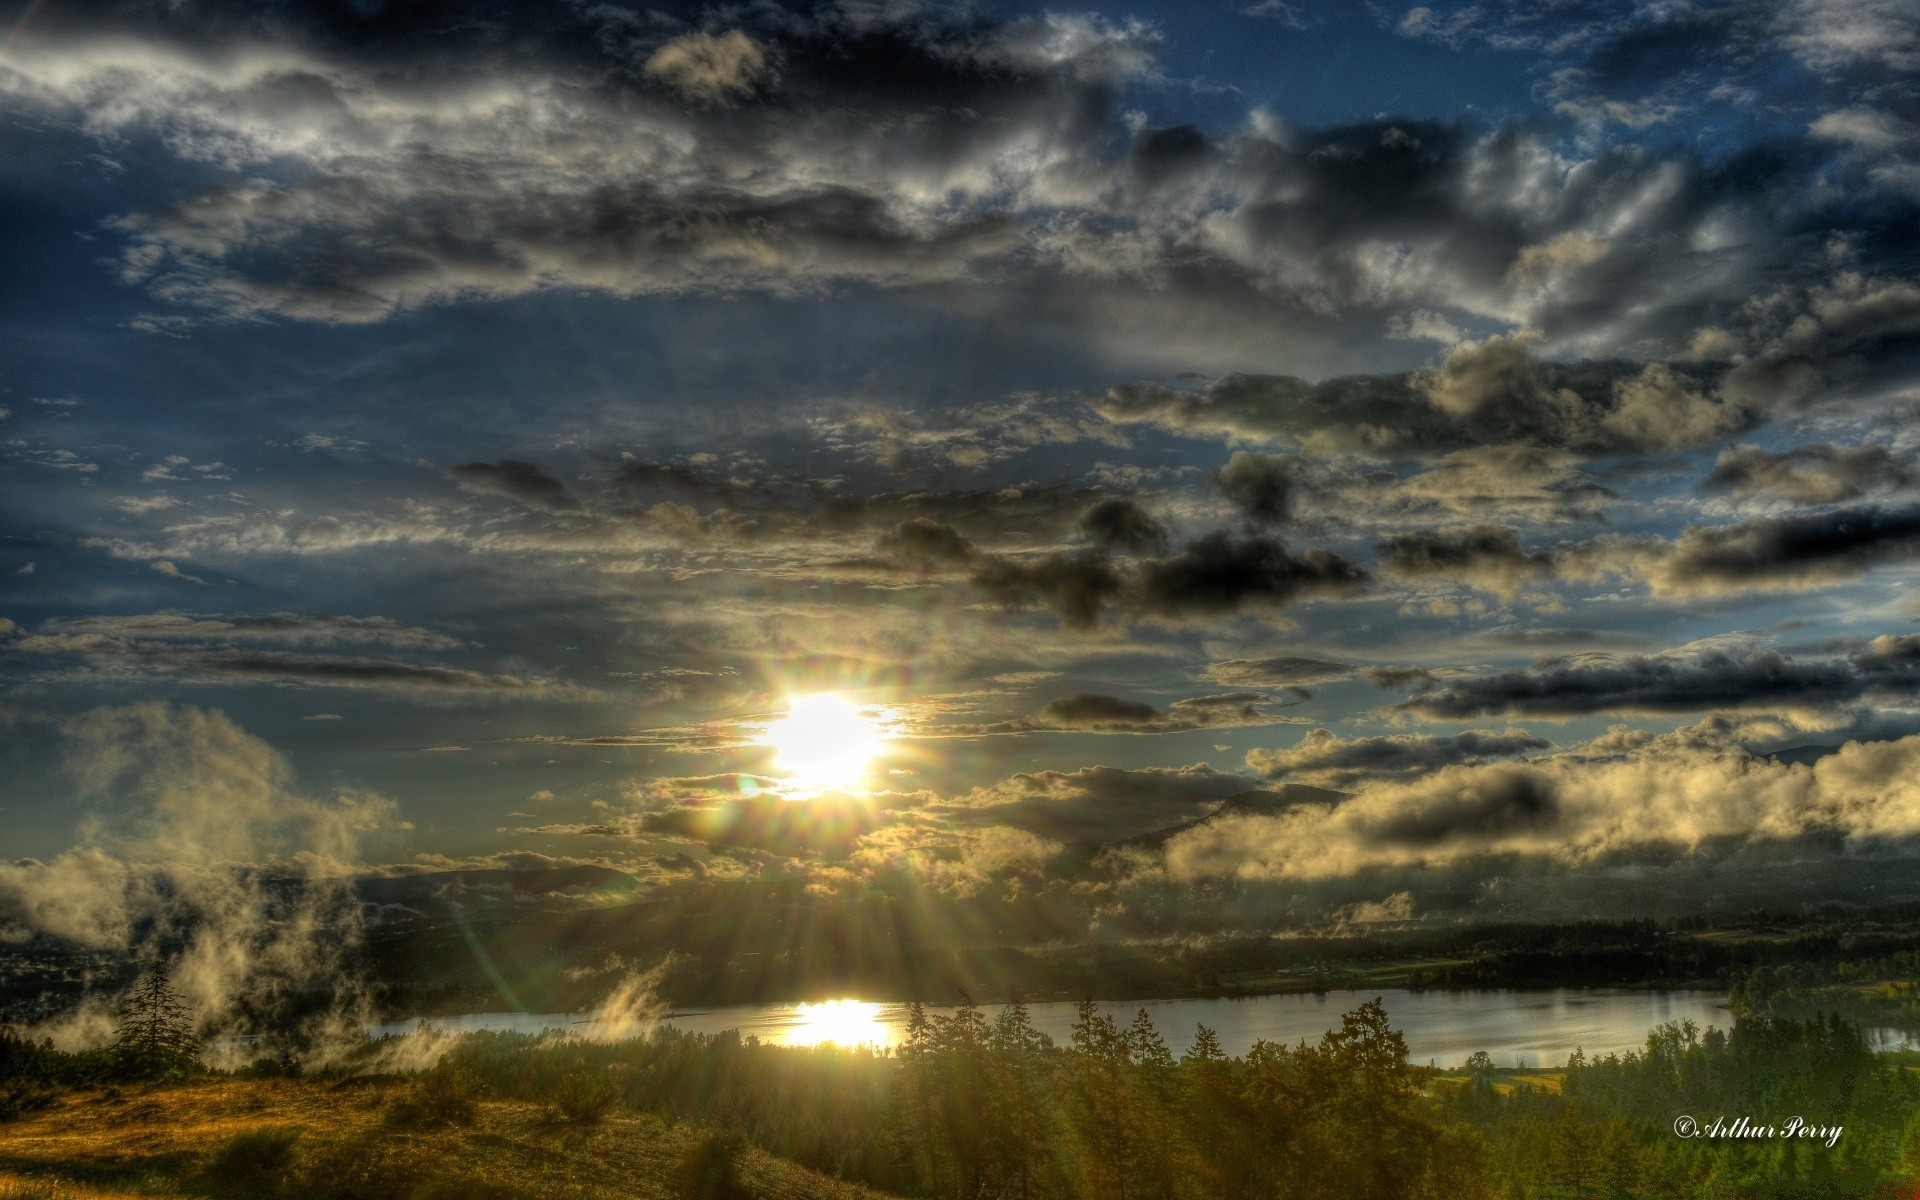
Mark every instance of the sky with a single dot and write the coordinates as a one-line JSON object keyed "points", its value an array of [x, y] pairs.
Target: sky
{"points": [[449, 434]]}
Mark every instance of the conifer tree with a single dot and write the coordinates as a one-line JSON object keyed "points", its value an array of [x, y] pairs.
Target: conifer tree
{"points": [[1206, 1048], [157, 1037], [1146, 1045]]}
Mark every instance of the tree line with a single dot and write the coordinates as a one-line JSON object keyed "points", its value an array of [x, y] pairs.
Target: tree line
{"points": [[973, 1106]]}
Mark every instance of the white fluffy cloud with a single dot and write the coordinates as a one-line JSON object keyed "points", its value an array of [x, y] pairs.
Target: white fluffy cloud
{"points": [[1624, 792]]}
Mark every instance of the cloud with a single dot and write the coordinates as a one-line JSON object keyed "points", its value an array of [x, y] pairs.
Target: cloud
{"points": [[1094, 712], [1121, 526], [1487, 556], [1097, 803], [1074, 587], [163, 567], [1494, 392], [1674, 794], [1791, 553], [1826, 35], [971, 436], [904, 147], [1741, 678], [1260, 485], [354, 189], [709, 69], [521, 482], [1850, 334], [1324, 759], [1220, 574], [925, 544], [772, 511], [959, 861], [224, 649], [1278, 671], [288, 628], [1524, 481], [1835, 34], [1812, 474]]}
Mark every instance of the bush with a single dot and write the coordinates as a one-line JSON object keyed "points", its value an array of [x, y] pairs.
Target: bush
{"points": [[255, 1163], [445, 1095], [19, 1097], [584, 1098], [711, 1168], [363, 1168], [282, 1065]]}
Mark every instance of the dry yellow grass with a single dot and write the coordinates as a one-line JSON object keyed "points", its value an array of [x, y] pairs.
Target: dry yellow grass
{"points": [[156, 1142], [15, 1187]]}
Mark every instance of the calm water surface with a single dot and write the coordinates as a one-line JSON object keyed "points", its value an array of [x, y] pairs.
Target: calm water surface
{"points": [[1530, 1028]]}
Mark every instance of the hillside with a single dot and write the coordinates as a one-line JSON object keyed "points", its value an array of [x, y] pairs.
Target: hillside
{"points": [[169, 1141]]}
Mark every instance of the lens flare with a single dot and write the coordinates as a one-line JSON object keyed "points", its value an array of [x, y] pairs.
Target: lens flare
{"points": [[824, 742]]}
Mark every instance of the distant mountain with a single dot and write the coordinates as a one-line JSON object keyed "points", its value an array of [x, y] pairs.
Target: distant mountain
{"points": [[492, 884]]}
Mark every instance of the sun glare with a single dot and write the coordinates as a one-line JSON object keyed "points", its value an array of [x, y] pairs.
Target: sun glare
{"points": [[824, 742], [842, 1022]]}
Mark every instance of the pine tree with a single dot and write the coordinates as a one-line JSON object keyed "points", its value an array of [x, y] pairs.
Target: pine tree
{"points": [[156, 1034], [1206, 1048], [1146, 1045]]}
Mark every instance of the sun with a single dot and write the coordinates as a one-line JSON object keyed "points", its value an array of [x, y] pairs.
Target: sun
{"points": [[825, 742]]}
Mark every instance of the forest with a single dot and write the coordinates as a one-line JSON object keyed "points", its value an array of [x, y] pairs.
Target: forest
{"points": [[975, 1105]]}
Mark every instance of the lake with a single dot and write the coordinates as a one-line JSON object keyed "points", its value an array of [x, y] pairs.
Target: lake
{"points": [[1518, 1028]]}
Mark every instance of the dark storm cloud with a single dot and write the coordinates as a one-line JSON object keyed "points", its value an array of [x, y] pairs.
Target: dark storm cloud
{"points": [[926, 544], [1121, 526], [1220, 574], [521, 482], [1261, 485], [1766, 554], [1279, 671], [1887, 668], [693, 165], [1484, 394], [900, 146], [1097, 803], [1784, 553], [1815, 474], [1498, 802], [1215, 576], [1324, 759], [1077, 588], [1488, 556], [1392, 677], [1094, 712]]}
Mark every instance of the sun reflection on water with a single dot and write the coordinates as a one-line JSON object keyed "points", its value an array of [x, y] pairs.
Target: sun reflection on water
{"points": [[841, 1022]]}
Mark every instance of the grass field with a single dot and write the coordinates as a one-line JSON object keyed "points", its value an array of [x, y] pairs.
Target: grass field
{"points": [[341, 1140]]}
